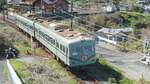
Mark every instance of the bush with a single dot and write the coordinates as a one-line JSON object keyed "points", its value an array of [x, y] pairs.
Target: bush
{"points": [[137, 33], [137, 9], [112, 81]]}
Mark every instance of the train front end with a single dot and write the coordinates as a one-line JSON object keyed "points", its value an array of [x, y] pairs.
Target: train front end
{"points": [[82, 52]]}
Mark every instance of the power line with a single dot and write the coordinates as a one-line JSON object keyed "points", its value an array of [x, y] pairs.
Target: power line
{"points": [[94, 24], [117, 44], [97, 25]]}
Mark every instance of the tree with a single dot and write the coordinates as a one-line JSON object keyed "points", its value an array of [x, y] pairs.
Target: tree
{"points": [[3, 7], [116, 1]]}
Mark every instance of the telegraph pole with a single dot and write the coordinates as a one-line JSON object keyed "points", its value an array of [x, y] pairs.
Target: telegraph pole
{"points": [[42, 7], [71, 24], [146, 50], [146, 47]]}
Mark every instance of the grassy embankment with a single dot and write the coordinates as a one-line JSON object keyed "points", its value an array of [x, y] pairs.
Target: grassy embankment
{"points": [[114, 75], [12, 38], [134, 18], [48, 72], [103, 70], [110, 73]]}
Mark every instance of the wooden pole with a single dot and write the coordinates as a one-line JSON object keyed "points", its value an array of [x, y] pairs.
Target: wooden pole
{"points": [[71, 24]]}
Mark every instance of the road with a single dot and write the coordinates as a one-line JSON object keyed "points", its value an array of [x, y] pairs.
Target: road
{"points": [[3, 74], [127, 62]]}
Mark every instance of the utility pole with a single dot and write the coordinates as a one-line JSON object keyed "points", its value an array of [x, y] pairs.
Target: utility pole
{"points": [[34, 47], [42, 7], [71, 24], [146, 51], [146, 47]]}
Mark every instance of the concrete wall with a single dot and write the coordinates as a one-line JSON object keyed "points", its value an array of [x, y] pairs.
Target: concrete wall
{"points": [[107, 40], [12, 74]]}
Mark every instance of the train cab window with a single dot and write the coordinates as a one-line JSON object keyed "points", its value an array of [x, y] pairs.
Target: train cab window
{"points": [[77, 50], [88, 48]]}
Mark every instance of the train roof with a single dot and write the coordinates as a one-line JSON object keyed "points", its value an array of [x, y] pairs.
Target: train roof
{"points": [[59, 28]]}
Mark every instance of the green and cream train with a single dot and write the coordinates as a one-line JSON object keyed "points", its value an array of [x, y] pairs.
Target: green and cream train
{"points": [[70, 47]]}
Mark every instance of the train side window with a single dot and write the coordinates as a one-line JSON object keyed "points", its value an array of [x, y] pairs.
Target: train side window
{"points": [[64, 49], [60, 47], [53, 41], [57, 44]]}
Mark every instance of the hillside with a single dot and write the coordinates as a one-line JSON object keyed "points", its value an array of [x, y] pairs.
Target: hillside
{"points": [[9, 37]]}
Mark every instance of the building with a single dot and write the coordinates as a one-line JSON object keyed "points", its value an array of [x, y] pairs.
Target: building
{"points": [[143, 1], [43, 6], [113, 36], [145, 5], [14, 2], [110, 9]]}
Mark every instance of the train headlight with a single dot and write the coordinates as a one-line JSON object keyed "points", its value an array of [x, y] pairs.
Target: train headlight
{"points": [[74, 53]]}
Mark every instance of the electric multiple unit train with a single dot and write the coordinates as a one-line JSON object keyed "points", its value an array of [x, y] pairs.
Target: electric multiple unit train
{"points": [[69, 46]]}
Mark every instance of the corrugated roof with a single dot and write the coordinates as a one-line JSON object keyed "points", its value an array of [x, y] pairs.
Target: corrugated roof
{"points": [[15, 1], [53, 1], [115, 31], [50, 1], [29, 2]]}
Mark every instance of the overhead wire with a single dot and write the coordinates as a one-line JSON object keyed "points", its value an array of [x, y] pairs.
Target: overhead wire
{"points": [[98, 26]]}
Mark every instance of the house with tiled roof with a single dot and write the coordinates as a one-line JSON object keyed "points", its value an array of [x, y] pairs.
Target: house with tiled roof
{"points": [[45, 6], [15, 2]]}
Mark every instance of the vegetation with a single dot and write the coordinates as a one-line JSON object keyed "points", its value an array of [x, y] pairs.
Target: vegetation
{"points": [[117, 77], [58, 69], [48, 72], [20, 69], [2, 4], [11, 38], [28, 72], [134, 19], [3, 7], [120, 19], [130, 46]]}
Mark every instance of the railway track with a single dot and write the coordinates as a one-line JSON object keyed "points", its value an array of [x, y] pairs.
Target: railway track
{"points": [[81, 74]]}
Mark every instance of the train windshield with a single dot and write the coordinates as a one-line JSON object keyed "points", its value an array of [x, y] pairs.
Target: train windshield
{"points": [[83, 50], [88, 49]]}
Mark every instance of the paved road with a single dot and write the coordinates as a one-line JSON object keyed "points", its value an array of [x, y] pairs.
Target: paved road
{"points": [[128, 63], [3, 74]]}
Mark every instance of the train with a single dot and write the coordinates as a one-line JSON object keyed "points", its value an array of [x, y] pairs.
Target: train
{"points": [[72, 48]]}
